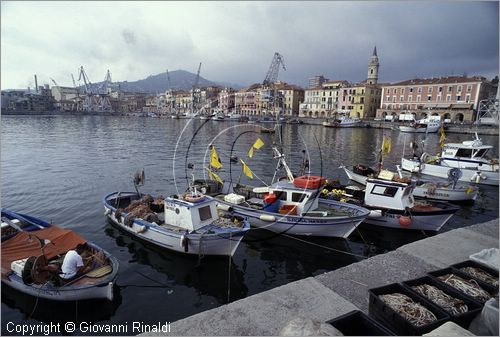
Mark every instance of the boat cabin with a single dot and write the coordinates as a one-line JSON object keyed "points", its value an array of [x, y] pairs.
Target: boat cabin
{"points": [[471, 149], [288, 196], [388, 194], [190, 215]]}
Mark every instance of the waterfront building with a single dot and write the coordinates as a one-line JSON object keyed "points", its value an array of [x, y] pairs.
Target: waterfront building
{"points": [[226, 100], [246, 99], [40, 100], [291, 96], [317, 81], [365, 100], [323, 101], [183, 101], [454, 98]]}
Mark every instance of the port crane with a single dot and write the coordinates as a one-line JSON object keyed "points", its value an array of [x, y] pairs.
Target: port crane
{"points": [[93, 102], [269, 89], [53, 81]]}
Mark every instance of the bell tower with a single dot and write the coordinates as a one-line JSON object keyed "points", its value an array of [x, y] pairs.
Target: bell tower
{"points": [[373, 68]]}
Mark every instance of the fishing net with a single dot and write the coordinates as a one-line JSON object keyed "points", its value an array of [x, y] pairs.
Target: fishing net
{"points": [[469, 287], [451, 304], [412, 311]]}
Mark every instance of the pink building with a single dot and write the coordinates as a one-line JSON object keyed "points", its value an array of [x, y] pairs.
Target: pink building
{"points": [[455, 97]]}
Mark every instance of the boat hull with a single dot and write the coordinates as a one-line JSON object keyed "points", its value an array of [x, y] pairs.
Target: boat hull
{"points": [[459, 194], [217, 244], [340, 227], [470, 176], [418, 220], [411, 129]]}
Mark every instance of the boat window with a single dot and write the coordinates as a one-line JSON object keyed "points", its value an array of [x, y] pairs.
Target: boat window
{"points": [[280, 195], [298, 197], [464, 153], [205, 213], [384, 190], [481, 153]]}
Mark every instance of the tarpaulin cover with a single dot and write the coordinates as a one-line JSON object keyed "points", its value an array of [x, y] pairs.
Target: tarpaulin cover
{"points": [[26, 244]]}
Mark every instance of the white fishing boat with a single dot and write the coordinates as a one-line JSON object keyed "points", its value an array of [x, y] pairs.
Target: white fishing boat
{"points": [[219, 116], [422, 126], [470, 157], [31, 247], [423, 189], [392, 205], [189, 223], [342, 122], [293, 206]]}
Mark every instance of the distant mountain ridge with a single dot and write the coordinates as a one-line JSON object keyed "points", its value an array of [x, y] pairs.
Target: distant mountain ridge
{"points": [[179, 80]]}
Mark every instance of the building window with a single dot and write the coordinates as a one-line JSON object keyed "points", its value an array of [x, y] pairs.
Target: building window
{"points": [[401, 98], [393, 99], [394, 90], [429, 98], [410, 98], [387, 98], [450, 88], [418, 98], [459, 98], [459, 88], [448, 98], [469, 88], [402, 90], [419, 90], [438, 97], [429, 90], [467, 98], [411, 89], [440, 89]]}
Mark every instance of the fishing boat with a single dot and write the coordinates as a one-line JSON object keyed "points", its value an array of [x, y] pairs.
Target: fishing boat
{"points": [[31, 247], [423, 189], [348, 122], [295, 121], [469, 157], [189, 223], [292, 206], [392, 205], [422, 126], [219, 116]]}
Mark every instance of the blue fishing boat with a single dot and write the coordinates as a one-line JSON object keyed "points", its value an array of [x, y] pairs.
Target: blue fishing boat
{"points": [[31, 247]]}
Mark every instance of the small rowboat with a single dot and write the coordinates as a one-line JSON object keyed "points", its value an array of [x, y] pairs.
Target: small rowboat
{"points": [[29, 245]]}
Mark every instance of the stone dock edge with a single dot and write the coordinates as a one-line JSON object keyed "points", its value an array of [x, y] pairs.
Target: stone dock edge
{"points": [[335, 293]]}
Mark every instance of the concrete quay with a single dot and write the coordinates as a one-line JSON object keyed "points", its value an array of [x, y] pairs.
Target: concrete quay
{"points": [[334, 293]]}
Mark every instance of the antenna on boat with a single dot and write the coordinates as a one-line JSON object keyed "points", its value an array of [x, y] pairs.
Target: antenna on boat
{"points": [[282, 163], [139, 180]]}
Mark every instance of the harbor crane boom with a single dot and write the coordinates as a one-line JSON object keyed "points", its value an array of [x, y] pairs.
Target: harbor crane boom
{"points": [[85, 78], [53, 81], [168, 80], [272, 73], [195, 85]]}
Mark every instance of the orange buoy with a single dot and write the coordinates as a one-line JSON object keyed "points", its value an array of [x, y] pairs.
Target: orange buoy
{"points": [[404, 221]]}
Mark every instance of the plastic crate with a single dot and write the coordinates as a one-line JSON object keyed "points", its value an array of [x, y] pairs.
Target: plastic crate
{"points": [[461, 319], [356, 323], [450, 270], [469, 263], [393, 320]]}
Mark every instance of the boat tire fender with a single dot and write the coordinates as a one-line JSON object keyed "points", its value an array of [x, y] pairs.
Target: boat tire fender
{"points": [[405, 221], [266, 217], [226, 208], [28, 266], [185, 243]]}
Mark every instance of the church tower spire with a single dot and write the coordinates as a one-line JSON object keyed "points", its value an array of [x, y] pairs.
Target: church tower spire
{"points": [[373, 68]]}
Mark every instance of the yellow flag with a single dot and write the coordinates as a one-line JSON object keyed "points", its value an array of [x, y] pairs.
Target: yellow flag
{"points": [[386, 146], [258, 144], [214, 176], [246, 170], [442, 137], [214, 161]]}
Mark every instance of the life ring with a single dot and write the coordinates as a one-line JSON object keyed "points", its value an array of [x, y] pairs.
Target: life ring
{"points": [[194, 197], [311, 182], [425, 157]]}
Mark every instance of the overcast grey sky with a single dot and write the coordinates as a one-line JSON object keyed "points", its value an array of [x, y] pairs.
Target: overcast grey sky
{"points": [[236, 41]]}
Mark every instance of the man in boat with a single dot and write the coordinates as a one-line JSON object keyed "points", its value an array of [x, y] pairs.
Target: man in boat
{"points": [[73, 265]]}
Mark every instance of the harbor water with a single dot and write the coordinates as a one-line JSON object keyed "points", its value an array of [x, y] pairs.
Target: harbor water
{"points": [[59, 168]]}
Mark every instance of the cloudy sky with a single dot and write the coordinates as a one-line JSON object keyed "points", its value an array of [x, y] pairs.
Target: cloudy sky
{"points": [[236, 41]]}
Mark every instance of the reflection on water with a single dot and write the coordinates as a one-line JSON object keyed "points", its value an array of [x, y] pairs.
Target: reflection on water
{"points": [[59, 168]]}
